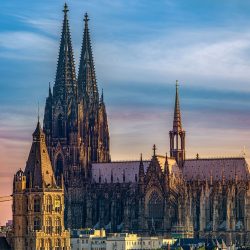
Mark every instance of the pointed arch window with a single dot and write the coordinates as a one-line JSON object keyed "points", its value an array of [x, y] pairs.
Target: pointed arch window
{"points": [[48, 225], [57, 244], [37, 224], [37, 204], [155, 206], [48, 244], [58, 204], [49, 204], [60, 126], [240, 206], [58, 229], [59, 166]]}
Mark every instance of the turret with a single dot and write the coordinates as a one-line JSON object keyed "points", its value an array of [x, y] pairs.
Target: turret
{"points": [[141, 171], [19, 181], [103, 133], [166, 173], [47, 121]]}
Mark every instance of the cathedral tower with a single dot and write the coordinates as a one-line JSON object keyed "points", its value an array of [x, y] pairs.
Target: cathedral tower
{"points": [[177, 134], [60, 116], [75, 123], [92, 112], [38, 202]]}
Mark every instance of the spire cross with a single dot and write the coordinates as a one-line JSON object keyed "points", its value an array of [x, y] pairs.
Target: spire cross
{"points": [[177, 83], [154, 149], [65, 9], [86, 17]]}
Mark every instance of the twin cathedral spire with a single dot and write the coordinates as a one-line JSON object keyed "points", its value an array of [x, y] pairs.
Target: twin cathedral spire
{"points": [[75, 119]]}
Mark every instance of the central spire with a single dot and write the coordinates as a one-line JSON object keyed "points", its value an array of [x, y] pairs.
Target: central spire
{"points": [[87, 85], [65, 84], [177, 135], [177, 113]]}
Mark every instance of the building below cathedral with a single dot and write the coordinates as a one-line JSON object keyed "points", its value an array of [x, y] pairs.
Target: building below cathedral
{"points": [[38, 203], [165, 195]]}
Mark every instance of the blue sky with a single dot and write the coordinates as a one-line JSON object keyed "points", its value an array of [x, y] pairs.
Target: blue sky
{"points": [[140, 49]]}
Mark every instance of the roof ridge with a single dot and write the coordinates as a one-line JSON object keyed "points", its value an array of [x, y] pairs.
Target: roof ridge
{"points": [[217, 158], [121, 161]]}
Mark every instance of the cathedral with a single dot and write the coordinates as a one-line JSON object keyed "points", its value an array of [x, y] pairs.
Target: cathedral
{"points": [[166, 195]]}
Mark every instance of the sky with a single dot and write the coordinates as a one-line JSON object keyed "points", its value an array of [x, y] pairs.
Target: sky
{"points": [[140, 49]]}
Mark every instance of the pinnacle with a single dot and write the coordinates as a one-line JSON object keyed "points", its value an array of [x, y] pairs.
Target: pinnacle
{"points": [[65, 9], [154, 150], [86, 17], [177, 126]]}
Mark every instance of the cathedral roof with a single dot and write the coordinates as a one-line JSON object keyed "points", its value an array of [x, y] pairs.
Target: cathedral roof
{"points": [[38, 169], [216, 168], [128, 168]]}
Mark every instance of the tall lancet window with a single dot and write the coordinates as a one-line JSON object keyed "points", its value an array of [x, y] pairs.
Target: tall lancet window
{"points": [[37, 223], [59, 166], [37, 204], [60, 126], [155, 206], [241, 206]]}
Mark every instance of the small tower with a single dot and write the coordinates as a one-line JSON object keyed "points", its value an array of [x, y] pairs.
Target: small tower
{"points": [[177, 134], [38, 202]]}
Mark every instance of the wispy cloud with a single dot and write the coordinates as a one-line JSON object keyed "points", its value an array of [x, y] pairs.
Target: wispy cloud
{"points": [[195, 56], [27, 46]]}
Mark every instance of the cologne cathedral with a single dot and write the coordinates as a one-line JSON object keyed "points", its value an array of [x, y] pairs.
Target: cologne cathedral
{"points": [[165, 195]]}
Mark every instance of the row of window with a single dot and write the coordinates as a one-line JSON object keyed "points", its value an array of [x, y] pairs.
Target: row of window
{"points": [[49, 204], [48, 225]]}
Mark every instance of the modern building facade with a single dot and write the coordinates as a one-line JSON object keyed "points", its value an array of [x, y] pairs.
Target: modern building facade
{"points": [[168, 195]]}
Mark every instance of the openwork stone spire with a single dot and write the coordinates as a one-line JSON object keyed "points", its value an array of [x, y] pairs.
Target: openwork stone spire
{"points": [[87, 85], [65, 84], [177, 113]]}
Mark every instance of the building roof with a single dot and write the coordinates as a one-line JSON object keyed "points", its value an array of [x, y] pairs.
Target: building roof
{"points": [[216, 169], [127, 169], [38, 169]]}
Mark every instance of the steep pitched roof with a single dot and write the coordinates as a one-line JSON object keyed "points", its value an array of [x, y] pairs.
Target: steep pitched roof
{"points": [[38, 169], [216, 169], [129, 168]]}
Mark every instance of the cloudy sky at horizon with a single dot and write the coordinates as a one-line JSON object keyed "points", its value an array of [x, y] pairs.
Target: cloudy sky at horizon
{"points": [[140, 49]]}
